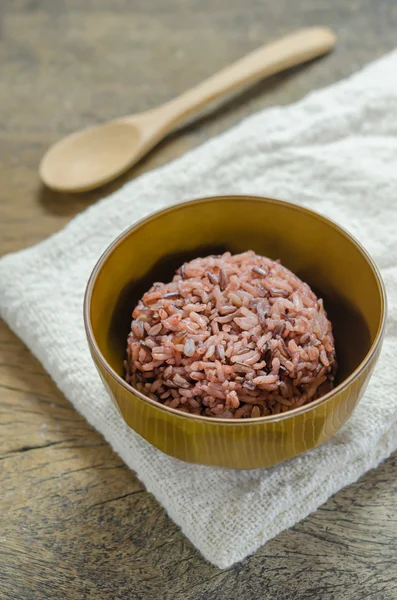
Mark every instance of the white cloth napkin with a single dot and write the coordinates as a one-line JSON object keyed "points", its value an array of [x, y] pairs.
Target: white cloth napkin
{"points": [[335, 152]]}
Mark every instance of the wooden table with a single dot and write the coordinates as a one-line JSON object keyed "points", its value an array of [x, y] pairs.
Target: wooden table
{"points": [[75, 522]]}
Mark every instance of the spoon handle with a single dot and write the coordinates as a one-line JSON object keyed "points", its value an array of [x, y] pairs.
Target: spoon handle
{"points": [[272, 58]]}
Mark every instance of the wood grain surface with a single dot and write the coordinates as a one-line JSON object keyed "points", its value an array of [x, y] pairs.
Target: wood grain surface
{"points": [[74, 521]]}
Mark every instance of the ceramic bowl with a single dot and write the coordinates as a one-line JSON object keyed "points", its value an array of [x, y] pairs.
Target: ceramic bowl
{"points": [[320, 252]]}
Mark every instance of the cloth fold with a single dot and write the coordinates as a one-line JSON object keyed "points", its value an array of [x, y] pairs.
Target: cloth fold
{"points": [[335, 152]]}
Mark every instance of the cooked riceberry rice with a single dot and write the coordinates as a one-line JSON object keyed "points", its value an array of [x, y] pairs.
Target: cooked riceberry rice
{"points": [[231, 336]]}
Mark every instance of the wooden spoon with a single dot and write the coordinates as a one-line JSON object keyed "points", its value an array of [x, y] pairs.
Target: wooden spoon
{"points": [[91, 157]]}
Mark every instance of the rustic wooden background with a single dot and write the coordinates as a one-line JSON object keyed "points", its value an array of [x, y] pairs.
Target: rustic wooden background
{"points": [[74, 521]]}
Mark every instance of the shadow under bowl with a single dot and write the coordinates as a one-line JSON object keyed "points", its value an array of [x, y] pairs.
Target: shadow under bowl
{"points": [[320, 252]]}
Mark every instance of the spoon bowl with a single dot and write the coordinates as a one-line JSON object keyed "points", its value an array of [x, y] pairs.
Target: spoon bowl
{"points": [[92, 157]]}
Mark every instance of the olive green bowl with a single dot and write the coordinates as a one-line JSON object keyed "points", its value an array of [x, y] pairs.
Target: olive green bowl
{"points": [[332, 262]]}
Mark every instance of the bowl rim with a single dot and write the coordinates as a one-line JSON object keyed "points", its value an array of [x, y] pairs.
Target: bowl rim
{"points": [[214, 420]]}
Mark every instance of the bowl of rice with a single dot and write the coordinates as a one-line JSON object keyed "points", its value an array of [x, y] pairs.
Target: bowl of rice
{"points": [[235, 331]]}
